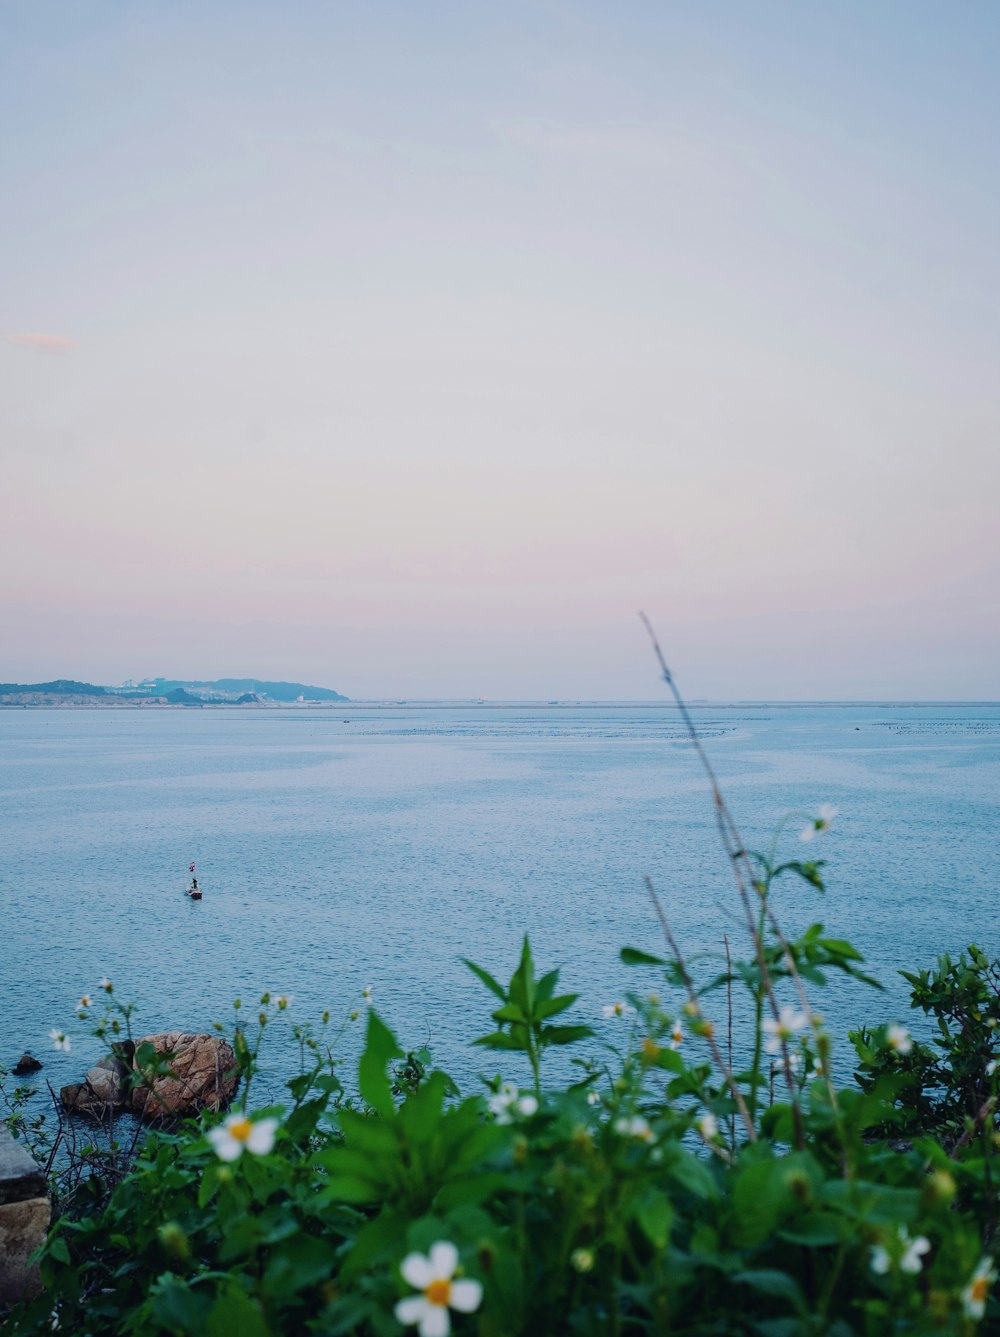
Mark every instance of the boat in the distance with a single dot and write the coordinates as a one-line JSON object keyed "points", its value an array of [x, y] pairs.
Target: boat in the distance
{"points": [[194, 891]]}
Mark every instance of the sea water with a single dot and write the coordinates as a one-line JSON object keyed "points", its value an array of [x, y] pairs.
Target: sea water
{"points": [[378, 845]]}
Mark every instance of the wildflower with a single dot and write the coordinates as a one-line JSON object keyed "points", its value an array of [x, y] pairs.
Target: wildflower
{"points": [[907, 1253], [677, 1035], [777, 1029], [582, 1260], [818, 1068], [106, 985], [708, 1126], [366, 994], [508, 1102], [827, 812], [974, 1295], [432, 1275], [795, 1063], [692, 1009], [616, 1010], [898, 1038], [84, 1003], [239, 1132], [60, 1040], [991, 1067], [284, 1001], [593, 1098], [636, 1127]]}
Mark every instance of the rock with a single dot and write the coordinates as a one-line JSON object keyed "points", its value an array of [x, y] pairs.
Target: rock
{"points": [[107, 1080], [25, 1064], [204, 1076]]}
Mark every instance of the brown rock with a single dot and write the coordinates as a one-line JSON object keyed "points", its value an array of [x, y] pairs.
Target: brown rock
{"points": [[22, 1229], [25, 1064], [203, 1076]]}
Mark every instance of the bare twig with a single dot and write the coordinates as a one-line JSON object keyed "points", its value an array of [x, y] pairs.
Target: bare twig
{"points": [[709, 1030]]}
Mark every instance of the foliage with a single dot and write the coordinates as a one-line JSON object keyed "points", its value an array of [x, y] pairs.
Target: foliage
{"points": [[587, 1210]]}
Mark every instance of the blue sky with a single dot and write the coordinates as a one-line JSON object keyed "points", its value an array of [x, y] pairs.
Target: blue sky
{"points": [[409, 349]]}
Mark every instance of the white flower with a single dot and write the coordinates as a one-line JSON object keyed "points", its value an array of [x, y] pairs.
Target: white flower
{"points": [[708, 1126], [105, 984], [974, 1295], [60, 1040], [910, 1254], [366, 994], [913, 1253], [283, 1001], [616, 1010], [84, 1002], [677, 1035], [795, 1063], [593, 1098], [508, 1101], [827, 812], [898, 1038], [433, 1276], [239, 1132], [788, 1021], [636, 1127], [991, 1067]]}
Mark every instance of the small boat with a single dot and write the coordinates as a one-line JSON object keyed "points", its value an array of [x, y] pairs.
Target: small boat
{"points": [[194, 891]]}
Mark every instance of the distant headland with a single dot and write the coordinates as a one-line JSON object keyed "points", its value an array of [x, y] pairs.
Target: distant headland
{"points": [[166, 692]]}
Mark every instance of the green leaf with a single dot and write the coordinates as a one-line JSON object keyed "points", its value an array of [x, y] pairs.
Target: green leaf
{"points": [[235, 1312], [554, 1006], [769, 1281], [565, 1035], [380, 1049], [486, 978], [631, 956], [654, 1214]]}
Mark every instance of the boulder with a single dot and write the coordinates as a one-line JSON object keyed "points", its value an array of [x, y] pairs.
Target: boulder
{"points": [[25, 1064], [203, 1076], [104, 1090]]}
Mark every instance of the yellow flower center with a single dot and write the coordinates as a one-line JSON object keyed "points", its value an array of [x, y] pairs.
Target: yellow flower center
{"points": [[650, 1050], [979, 1289], [241, 1130], [438, 1292]]}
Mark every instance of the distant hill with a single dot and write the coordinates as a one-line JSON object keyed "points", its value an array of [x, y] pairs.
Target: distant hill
{"points": [[61, 687], [234, 691], [237, 687]]}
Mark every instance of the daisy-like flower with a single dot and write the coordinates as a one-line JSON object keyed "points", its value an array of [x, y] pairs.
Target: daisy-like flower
{"points": [[84, 1003], [433, 1276], [707, 1126], [827, 812], [898, 1038], [788, 1022], [60, 1040], [616, 1010], [676, 1035], [239, 1133], [593, 1097], [105, 984], [509, 1102], [975, 1293], [636, 1127], [991, 1067], [366, 994]]}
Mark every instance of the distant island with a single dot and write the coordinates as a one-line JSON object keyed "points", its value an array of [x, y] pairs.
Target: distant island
{"points": [[166, 692]]}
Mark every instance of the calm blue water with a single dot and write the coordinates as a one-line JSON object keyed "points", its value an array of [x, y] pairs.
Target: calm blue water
{"points": [[378, 845]]}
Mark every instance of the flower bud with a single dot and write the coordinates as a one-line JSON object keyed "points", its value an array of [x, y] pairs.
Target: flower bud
{"points": [[174, 1241]]}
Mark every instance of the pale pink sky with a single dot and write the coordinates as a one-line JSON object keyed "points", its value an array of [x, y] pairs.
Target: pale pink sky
{"points": [[411, 355]]}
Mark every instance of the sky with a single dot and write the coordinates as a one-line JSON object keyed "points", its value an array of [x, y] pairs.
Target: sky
{"points": [[410, 349]]}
